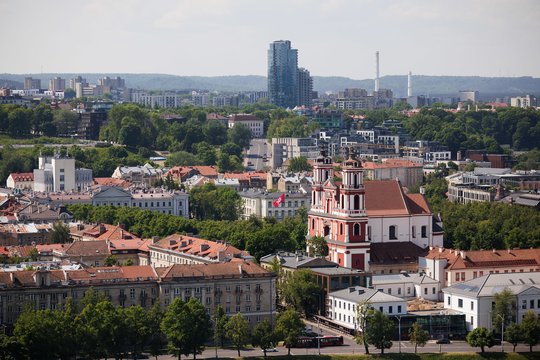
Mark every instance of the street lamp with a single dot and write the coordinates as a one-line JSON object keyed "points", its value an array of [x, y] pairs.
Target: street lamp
{"points": [[502, 331], [399, 331], [319, 336]]}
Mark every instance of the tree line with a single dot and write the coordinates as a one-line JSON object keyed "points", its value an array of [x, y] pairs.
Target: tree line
{"points": [[259, 237]]}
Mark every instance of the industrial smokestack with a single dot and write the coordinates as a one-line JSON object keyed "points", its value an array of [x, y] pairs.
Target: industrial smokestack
{"points": [[409, 85], [377, 71]]}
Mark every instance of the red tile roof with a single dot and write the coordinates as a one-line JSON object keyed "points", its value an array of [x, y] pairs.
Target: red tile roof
{"points": [[110, 232], [199, 247], [107, 181], [458, 260], [22, 176], [387, 198], [221, 270], [245, 175], [88, 248]]}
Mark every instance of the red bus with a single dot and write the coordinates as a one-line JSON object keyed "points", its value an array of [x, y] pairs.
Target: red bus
{"points": [[330, 340]]}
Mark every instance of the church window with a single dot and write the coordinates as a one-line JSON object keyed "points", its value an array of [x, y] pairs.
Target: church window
{"points": [[392, 231], [313, 223], [341, 229], [356, 229], [369, 232], [356, 202]]}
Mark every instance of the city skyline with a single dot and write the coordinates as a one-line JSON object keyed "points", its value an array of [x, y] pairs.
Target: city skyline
{"points": [[222, 37]]}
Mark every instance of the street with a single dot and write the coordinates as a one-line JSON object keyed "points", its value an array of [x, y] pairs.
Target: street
{"points": [[254, 157], [350, 347]]}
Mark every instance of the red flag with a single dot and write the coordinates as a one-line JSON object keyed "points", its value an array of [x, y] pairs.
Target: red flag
{"points": [[279, 200]]}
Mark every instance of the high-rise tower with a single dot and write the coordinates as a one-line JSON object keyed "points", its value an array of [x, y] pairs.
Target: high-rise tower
{"points": [[377, 71], [282, 74]]}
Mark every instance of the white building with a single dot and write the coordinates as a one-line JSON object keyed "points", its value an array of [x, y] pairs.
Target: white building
{"points": [[57, 173], [342, 304], [475, 298], [252, 122], [407, 285], [21, 181], [283, 149], [163, 101], [166, 202], [144, 175], [261, 203], [523, 101]]}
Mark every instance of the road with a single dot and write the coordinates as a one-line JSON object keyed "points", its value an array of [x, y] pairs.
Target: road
{"points": [[257, 149], [350, 347], [81, 144]]}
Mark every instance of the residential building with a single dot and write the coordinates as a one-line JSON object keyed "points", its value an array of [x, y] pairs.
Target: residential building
{"points": [[455, 266], [282, 74], [408, 172], [199, 99], [58, 173], [247, 180], [30, 84], [21, 181], [167, 202], [21, 234], [252, 122], [183, 249], [475, 298], [429, 151], [57, 84], [342, 305], [238, 287], [90, 123], [353, 216], [294, 183], [407, 285], [523, 101], [328, 119], [77, 80], [162, 101], [221, 101], [328, 275], [304, 88], [262, 204], [283, 149], [144, 176], [113, 83], [39, 213]]}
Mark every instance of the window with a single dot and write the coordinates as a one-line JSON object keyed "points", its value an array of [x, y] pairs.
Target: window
{"points": [[390, 309], [472, 305], [433, 291], [389, 291], [424, 231], [409, 291], [399, 309], [481, 273], [380, 308], [462, 276], [460, 303], [392, 231], [531, 304], [425, 291], [413, 232], [448, 301], [356, 229], [132, 293], [369, 232], [474, 274], [472, 320], [399, 291]]}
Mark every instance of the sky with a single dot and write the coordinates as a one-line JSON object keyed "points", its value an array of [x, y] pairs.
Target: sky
{"points": [[231, 37]]}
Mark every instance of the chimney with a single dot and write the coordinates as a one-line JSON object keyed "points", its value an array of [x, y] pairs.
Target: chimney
{"points": [[377, 71], [494, 251], [463, 254], [360, 292], [155, 239], [240, 269], [409, 84], [101, 229], [351, 290], [204, 247]]}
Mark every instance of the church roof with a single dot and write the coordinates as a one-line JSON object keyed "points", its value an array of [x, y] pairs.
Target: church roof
{"points": [[387, 198]]}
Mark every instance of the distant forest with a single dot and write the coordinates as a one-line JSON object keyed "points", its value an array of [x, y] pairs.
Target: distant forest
{"points": [[422, 84]]}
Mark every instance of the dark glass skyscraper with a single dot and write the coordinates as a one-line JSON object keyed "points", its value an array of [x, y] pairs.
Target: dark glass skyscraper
{"points": [[282, 74]]}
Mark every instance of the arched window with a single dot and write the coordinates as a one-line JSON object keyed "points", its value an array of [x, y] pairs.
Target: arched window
{"points": [[356, 202], [356, 229], [369, 233], [313, 223], [392, 232], [326, 230]]}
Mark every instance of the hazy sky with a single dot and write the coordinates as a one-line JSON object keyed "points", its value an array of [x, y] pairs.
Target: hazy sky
{"points": [[231, 37]]}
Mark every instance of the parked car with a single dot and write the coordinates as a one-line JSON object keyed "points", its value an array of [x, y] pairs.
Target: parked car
{"points": [[443, 341], [270, 350]]}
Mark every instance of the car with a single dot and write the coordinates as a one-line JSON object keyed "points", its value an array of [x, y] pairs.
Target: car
{"points": [[270, 350], [443, 341]]}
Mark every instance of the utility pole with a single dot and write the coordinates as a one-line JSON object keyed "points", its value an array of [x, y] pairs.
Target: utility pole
{"points": [[399, 332]]}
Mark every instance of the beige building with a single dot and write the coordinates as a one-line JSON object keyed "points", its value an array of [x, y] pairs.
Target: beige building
{"points": [[454, 266], [252, 122], [21, 181], [265, 204], [183, 249], [408, 172], [238, 286]]}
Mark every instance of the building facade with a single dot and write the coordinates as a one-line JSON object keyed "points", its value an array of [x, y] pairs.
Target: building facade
{"points": [[282, 74], [262, 204], [57, 173], [253, 123]]}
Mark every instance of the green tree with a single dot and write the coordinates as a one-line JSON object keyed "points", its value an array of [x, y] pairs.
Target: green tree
{"points": [[512, 334], [480, 337], [237, 329], [175, 326], [11, 348], [181, 158], [299, 164], [60, 233], [364, 309], [231, 149], [154, 317], [33, 331], [205, 153], [530, 329], [318, 245], [301, 291], [380, 330], [220, 321], [418, 336], [33, 254], [289, 326], [211, 202], [137, 328], [240, 135], [215, 132], [504, 308], [263, 336]]}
